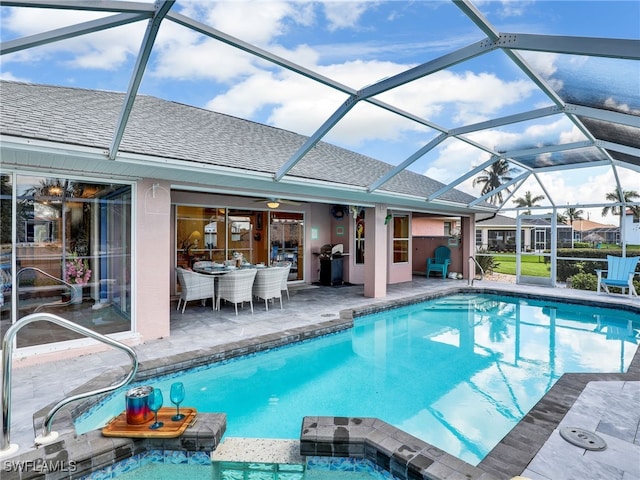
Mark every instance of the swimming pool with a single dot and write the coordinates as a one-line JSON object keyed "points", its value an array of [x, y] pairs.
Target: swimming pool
{"points": [[458, 372]]}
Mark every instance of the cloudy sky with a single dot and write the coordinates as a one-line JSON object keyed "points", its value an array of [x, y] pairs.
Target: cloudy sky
{"points": [[355, 44]]}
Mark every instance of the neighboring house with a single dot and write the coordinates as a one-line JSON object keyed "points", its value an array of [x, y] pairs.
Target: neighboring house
{"points": [[498, 234], [631, 228], [186, 184], [594, 232]]}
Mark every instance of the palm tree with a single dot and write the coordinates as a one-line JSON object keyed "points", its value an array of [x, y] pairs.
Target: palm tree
{"points": [[528, 201], [493, 177], [628, 196], [573, 214], [562, 218]]}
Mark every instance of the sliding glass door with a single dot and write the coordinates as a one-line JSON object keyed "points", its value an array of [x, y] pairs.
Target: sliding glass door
{"points": [[71, 255], [216, 234]]}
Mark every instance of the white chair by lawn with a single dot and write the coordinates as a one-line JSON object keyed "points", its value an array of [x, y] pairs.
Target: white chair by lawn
{"points": [[619, 273], [268, 284], [195, 286], [236, 287]]}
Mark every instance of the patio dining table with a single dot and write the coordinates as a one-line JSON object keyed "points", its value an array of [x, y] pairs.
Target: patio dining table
{"points": [[220, 270]]}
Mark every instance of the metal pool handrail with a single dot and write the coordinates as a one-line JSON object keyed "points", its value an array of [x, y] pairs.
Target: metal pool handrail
{"points": [[51, 304], [7, 351], [472, 276]]}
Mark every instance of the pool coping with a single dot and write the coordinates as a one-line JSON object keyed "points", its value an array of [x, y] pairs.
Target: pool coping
{"points": [[509, 458]]}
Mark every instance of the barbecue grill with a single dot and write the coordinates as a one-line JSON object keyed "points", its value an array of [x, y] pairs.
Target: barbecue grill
{"points": [[331, 264]]}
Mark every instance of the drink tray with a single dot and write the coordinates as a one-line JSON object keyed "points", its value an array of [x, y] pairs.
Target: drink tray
{"points": [[118, 427]]}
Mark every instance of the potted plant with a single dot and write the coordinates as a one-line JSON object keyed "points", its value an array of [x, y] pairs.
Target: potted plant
{"points": [[77, 273]]}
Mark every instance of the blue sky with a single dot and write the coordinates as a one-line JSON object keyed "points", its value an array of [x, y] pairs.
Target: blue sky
{"points": [[355, 43]]}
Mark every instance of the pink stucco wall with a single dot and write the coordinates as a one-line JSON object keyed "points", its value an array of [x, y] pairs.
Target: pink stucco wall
{"points": [[152, 259], [425, 227]]}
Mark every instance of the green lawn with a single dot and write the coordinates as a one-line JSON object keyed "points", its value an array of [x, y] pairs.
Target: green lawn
{"points": [[532, 265]]}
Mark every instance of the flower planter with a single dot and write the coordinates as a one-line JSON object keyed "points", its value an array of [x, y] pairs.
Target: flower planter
{"points": [[74, 295]]}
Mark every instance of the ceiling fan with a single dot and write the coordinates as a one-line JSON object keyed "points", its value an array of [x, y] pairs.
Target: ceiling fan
{"points": [[275, 202]]}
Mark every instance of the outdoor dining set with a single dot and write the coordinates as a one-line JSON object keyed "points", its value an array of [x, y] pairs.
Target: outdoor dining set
{"points": [[232, 283]]}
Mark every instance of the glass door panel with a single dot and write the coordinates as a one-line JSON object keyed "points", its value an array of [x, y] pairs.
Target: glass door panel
{"points": [[287, 241]]}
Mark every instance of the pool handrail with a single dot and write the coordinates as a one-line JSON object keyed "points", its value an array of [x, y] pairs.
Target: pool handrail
{"points": [[472, 271], [7, 352], [46, 274]]}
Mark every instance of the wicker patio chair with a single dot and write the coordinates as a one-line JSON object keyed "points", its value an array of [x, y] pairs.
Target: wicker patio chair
{"points": [[285, 276], [268, 284], [195, 286], [236, 287]]}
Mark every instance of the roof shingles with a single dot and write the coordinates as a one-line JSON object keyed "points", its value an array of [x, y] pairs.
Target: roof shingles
{"points": [[160, 128]]}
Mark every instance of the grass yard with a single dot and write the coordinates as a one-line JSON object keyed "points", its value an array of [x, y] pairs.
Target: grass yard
{"points": [[532, 265]]}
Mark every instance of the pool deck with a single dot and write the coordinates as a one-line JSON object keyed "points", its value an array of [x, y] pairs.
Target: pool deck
{"points": [[602, 403]]}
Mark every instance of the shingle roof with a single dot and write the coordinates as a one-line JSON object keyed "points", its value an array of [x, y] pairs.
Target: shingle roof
{"points": [[166, 129]]}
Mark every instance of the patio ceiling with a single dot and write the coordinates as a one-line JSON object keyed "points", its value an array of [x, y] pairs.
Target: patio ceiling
{"points": [[603, 110]]}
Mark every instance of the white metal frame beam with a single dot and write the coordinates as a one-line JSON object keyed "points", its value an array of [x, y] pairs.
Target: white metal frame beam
{"points": [[593, 47], [462, 178], [399, 168], [520, 178], [415, 73], [604, 115], [64, 33], [162, 7], [87, 5]]}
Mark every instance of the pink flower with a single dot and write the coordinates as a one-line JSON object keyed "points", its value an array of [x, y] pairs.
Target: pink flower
{"points": [[77, 270]]}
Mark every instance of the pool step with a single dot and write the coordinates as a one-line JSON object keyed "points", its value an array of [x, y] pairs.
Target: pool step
{"points": [[239, 457]]}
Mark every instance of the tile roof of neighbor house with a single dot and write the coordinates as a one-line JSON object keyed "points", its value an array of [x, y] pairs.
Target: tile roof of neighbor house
{"points": [[586, 225], [165, 129]]}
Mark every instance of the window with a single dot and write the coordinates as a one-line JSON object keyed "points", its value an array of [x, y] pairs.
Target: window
{"points": [[359, 238], [400, 239], [215, 234]]}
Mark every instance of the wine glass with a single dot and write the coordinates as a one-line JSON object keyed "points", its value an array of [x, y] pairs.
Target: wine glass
{"points": [[155, 404], [177, 396]]}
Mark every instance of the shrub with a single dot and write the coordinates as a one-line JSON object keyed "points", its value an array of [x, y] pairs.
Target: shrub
{"points": [[583, 281], [487, 262], [589, 281], [568, 268]]}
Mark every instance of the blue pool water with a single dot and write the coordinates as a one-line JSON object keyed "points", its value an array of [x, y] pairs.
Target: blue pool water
{"points": [[169, 465], [458, 372]]}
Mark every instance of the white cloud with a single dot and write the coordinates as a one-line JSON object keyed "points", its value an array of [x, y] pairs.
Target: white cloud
{"points": [[466, 97], [257, 22], [11, 77], [196, 59], [104, 50], [344, 14]]}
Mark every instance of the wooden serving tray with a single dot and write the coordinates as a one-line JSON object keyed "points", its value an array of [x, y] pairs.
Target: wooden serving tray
{"points": [[118, 427]]}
